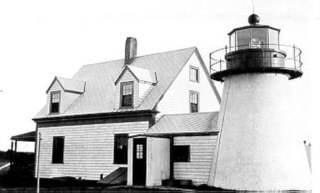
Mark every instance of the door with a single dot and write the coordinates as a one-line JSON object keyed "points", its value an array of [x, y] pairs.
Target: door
{"points": [[139, 161]]}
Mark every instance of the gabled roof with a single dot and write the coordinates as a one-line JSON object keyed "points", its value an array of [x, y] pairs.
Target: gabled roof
{"points": [[69, 85], [186, 123], [140, 74], [100, 79]]}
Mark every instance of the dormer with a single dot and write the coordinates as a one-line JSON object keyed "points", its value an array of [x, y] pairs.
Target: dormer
{"points": [[61, 93], [132, 85]]}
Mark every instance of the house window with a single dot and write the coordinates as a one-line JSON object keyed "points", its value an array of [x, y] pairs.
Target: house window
{"points": [[194, 101], [54, 102], [181, 153], [194, 74], [127, 94], [120, 148], [57, 150]]}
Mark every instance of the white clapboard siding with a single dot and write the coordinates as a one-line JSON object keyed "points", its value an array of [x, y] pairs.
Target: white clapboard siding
{"points": [[176, 99], [88, 149], [201, 156]]}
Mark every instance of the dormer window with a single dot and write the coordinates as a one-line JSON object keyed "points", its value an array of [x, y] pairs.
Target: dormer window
{"points": [[126, 99], [54, 102]]}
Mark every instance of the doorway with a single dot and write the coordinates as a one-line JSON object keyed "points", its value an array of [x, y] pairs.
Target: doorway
{"points": [[139, 161]]}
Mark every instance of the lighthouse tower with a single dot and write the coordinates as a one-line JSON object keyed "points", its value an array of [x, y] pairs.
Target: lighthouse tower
{"points": [[259, 146]]}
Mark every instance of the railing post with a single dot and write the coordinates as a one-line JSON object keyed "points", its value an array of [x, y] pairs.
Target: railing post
{"points": [[210, 63], [226, 49], [294, 56], [300, 63]]}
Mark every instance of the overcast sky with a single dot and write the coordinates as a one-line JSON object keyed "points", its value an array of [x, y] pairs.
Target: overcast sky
{"points": [[43, 39]]}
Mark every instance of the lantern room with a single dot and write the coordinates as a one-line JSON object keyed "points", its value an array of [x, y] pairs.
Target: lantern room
{"points": [[255, 49], [254, 36]]}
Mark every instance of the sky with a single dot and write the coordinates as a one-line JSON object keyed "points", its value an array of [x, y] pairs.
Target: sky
{"points": [[43, 39]]}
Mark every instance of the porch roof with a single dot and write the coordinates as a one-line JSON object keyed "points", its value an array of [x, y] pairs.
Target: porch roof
{"points": [[29, 136]]}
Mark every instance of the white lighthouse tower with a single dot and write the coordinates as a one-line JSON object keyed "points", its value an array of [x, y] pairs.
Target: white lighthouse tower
{"points": [[259, 145]]}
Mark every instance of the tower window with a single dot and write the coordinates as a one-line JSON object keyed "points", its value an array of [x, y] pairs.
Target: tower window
{"points": [[55, 102], [120, 149], [194, 102], [126, 94], [194, 74], [57, 150]]}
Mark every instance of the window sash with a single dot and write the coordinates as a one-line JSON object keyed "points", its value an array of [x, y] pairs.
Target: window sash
{"points": [[55, 97], [127, 89], [194, 102], [127, 94], [127, 101], [194, 97], [57, 149], [194, 74], [181, 153], [120, 149], [193, 108], [54, 102]]}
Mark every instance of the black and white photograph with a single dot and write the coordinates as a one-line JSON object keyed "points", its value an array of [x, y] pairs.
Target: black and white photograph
{"points": [[159, 96]]}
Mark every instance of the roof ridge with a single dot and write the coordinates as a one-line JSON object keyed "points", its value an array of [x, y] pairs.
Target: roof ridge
{"points": [[189, 48], [72, 79], [109, 61], [209, 112]]}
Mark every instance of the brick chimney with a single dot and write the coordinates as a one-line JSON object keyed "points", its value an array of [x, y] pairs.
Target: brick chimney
{"points": [[130, 50]]}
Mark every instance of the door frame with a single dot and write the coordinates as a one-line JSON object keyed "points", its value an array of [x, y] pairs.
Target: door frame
{"points": [[139, 171]]}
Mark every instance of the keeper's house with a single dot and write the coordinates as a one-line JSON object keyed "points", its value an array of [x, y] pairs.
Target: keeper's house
{"points": [[142, 120]]}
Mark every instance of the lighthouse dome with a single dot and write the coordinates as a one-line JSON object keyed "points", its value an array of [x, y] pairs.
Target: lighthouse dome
{"points": [[253, 19]]}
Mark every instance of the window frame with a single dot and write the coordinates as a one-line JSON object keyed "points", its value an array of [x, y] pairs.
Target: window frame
{"points": [[177, 151], [122, 84], [56, 151], [116, 159], [197, 74], [59, 103], [198, 100]]}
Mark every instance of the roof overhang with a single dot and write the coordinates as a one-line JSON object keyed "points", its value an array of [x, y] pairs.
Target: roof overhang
{"points": [[168, 135], [28, 137], [252, 26], [79, 117]]}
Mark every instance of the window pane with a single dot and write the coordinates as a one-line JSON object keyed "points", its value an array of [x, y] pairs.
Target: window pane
{"points": [[55, 102], [194, 98], [58, 148], [127, 94], [55, 97], [127, 101], [194, 104], [139, 151], [194, 74], [127, 89], [194, 108], [181, 153], [54, 107], [120, 148]]}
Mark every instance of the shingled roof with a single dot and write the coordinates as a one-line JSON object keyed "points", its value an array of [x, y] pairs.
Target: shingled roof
{"points": [[186, 123], [100, 78], [69, 85]]}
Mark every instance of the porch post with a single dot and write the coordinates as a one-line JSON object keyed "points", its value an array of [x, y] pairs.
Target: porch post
{"points": [[15, 151], [11, 154], [171, 158]]}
